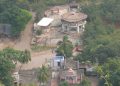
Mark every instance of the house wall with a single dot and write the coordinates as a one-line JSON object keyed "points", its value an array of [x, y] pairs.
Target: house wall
{"points": [[54, 63]]}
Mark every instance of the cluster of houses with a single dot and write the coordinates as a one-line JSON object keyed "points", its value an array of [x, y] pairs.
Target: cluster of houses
{"points": [[67, 19], [71, 71], [70, 19]]}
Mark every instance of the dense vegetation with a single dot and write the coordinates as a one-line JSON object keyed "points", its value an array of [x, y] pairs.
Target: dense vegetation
{"points": [[108, 10], [101, 40], [109, 73], [13, 14], [85, 82], [8, 59]]}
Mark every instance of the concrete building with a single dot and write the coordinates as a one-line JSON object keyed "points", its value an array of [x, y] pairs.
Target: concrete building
{"points": [[73, 21], [70, 76], [58, 62], [45, 24]]}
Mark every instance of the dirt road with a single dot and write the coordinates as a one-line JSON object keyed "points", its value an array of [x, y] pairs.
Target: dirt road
{"points": [[26, 35], [38, 59]]}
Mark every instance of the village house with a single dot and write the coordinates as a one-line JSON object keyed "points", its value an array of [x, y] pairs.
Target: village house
{"points": [[58, 62], [44, 23], [58, 21], [70, 76], [73, 21]]}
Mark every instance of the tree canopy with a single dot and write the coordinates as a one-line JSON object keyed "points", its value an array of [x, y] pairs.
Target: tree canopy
{"points": [[14, 15], [108, 10], [8, 59], [85, 82], [101, 39], [65, 47], [64, 84], [43, 74], [99, 42], [110, 72]]}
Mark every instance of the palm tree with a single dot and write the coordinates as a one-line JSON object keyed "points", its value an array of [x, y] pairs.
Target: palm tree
{"points": [[24, 57], [43, 74]]}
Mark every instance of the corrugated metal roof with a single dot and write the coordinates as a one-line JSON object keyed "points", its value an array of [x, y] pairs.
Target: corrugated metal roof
{"points": [[45, 21]]}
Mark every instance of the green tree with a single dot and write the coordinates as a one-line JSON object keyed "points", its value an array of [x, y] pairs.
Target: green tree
{"points": [[24, 57], [63, 83], [85, 82], [65, 47], [17, 55], [98, 43], [115, 78], [109, 72], [43, 74], [112, 14], [6, 67], [14, 15], [8, 58]]}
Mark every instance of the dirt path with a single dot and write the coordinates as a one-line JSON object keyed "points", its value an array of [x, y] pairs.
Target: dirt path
{"points": [[37, 60], [26, 35]]}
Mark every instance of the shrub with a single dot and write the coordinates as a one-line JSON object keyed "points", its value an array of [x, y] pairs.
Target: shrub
{"points": [[38, 32]]}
